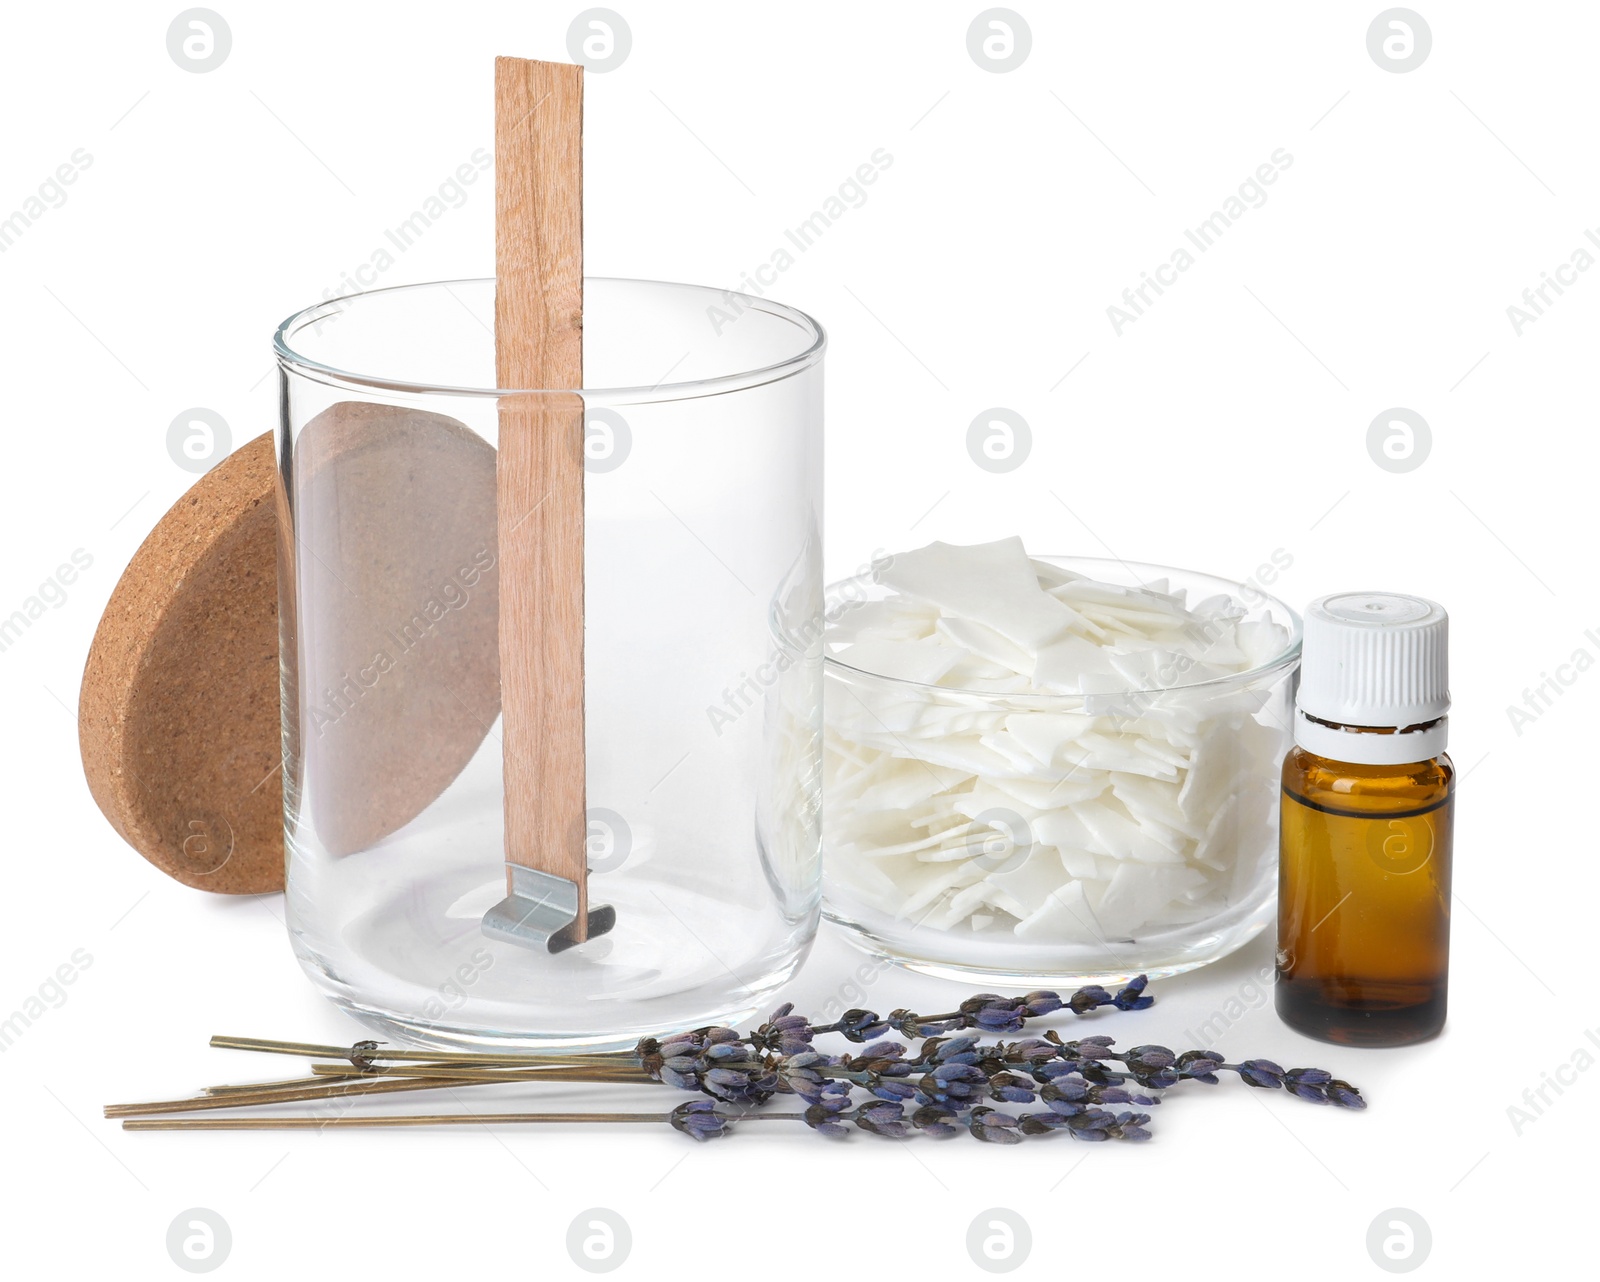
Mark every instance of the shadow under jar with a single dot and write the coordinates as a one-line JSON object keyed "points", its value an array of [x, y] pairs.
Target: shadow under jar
{"points": [[1042, 839], [702, 516]]}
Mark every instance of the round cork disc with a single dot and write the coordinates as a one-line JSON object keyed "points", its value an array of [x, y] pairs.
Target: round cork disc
{"points": [[178, 717]]}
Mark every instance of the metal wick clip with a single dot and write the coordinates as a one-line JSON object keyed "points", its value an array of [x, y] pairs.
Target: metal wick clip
{"points": [[542, 912]]}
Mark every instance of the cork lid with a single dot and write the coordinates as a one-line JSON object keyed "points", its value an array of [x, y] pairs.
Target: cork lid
{"points": [[178, 714], [179, 717]]}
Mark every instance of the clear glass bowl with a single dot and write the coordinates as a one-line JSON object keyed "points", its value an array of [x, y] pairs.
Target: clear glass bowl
{"points": [[1197, 829], [702, 432]]}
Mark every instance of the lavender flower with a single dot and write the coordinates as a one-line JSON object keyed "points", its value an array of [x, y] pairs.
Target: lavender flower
{"points": [[882, 1118], [1087, 999], [823, 1116], [1308, 1083], [952, 1085], [699, 1120], [994, 1127], [1261, 1072], [932, 1119], [1131, 997], [806, 1074], [1030, 1051], [909, 1024], [1200, 1066], [995, 1014], [1152, 1066], [1011, 1088], [784, 1032], [860, 1025], [882, 1058]]}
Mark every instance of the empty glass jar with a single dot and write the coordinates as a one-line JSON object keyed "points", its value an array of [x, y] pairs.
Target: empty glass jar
{"points": [[702, 662]]}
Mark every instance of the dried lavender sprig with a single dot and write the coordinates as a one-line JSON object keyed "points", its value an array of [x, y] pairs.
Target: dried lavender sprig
{"points": [[1157, 1067], [989, 1012]]}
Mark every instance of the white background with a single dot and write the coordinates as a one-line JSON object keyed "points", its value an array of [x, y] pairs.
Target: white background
{"points": [[1228, 422]]}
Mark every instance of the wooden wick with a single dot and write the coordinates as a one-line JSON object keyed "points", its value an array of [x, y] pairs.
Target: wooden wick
{"points": [[539, 345]]}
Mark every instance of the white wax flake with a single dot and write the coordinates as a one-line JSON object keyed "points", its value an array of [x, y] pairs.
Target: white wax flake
{"points": [[1140, 893], [986, 643], [895, 618], [991, 583], [1048, 760], [921, 661], [1044, 733], [1059, 668], [910, 783], [1063, 916]]}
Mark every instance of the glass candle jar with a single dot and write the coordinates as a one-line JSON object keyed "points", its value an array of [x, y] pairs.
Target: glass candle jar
{"points": [[702, 650], [1026, 839]]}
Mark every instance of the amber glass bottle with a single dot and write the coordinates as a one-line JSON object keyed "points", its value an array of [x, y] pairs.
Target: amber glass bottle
{"points": [[1365, 836]]}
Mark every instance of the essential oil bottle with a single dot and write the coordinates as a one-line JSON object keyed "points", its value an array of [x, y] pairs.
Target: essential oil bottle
{"points": [[1364, 841]]}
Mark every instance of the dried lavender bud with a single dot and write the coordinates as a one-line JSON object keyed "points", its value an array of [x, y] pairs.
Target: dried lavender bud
{"points": [[1093, 1124], [699, 1120], [1043, 1002], [992, 1013], [861, 1025], [1066, 1096], [909, 1024], [784, 1032], [1011, 1088], [934, 1120], [882, 1119], [1308, 1083], [1089, 998], [895, 1090], [1200, 1066], [1031, 1050], [1131, 1126], [697, 1040], [1151, 1066], [1261, 1072], [881, 1057], [994, 1127], [806, 1074], [1150, 1057], [679, 1071], [824, 1116], [1092, 1048], [1345, 1095], [1132, 996], [951, 1050], [952, 1083], [728, 1083]]}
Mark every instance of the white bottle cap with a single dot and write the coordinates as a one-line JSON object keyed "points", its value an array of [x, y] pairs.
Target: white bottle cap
{"points": [[1377, 660]]}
